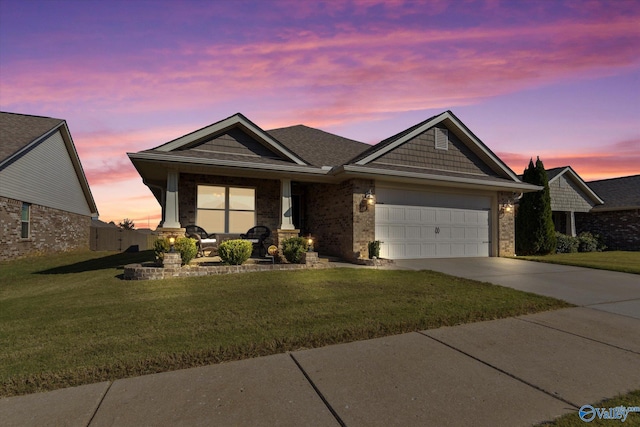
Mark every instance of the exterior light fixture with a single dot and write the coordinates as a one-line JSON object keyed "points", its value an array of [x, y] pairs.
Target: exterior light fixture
{"points": [[172, 241], [506, 208], [309, 243], [367, 200]]}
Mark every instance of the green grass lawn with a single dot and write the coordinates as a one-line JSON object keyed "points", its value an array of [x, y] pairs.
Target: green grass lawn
{"points": [[627, 262], [627, 400], [69, 319]]}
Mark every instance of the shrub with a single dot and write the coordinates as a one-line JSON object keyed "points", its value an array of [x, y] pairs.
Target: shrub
{"points": [[535, 232], [587, 242], [185, 245], [566, 244], [293, 248], [187, 248], [160, 246], [235, 252], [374, 249]]}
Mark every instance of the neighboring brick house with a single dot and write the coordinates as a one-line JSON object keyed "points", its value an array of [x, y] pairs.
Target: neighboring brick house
{"points": [[433, 190], [618, 219], [45, 201], [569, 195]]}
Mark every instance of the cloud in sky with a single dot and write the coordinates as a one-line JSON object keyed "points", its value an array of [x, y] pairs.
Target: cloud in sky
{"points": [[130, 75]]}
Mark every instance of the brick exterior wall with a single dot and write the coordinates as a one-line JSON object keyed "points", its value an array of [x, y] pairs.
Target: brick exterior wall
{"points": [[619, 229], [51, 230], [336, 220], [267, 196], [506, 226]]}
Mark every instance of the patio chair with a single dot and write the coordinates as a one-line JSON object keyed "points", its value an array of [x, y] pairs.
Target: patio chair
{"points": [[204, 240], [257, 236]]}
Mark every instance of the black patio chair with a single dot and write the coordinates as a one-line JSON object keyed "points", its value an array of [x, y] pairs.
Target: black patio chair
{"points": [[204, 240], [257, 236]]}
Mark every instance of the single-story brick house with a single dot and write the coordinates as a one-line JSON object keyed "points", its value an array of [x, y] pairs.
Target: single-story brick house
{"points": [[617, 220], [433, 190], [46, 204], [569, 195]]}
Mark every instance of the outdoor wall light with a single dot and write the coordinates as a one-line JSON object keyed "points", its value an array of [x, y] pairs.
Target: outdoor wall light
{"points": [[309, 243], [506, 208], [367, 200], [172, 241]]}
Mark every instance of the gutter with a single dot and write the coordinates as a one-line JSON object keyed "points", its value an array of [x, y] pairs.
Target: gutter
{"points": [[441, 179], [227, 163]]}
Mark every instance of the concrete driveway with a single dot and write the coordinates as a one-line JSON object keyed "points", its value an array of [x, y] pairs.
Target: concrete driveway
{"points": [[599, 289]]}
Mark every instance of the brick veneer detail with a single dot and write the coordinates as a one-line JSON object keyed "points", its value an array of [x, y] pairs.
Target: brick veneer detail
{"points": [[52, 230], [620, 230]]}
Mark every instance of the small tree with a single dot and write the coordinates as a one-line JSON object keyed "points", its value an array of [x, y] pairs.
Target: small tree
{"points": [[535, 232], [126, 224]]}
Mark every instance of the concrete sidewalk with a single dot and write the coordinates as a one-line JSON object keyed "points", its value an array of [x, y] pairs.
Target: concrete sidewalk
{"points": [[509, 372]]}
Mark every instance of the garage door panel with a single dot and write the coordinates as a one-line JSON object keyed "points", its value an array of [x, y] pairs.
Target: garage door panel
{"points": [[428, 232], [428, 250]]}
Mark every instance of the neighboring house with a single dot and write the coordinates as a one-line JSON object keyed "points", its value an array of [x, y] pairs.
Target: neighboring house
{"points": [[618, 219], [569, 195], [45, 201], [433, 190]]}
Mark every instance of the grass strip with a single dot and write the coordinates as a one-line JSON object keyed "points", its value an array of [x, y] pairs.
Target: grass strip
{"points": [[625, 262]]}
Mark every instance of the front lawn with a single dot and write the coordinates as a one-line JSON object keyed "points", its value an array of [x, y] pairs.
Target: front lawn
{"points": [[626, 262], [69, 319]]}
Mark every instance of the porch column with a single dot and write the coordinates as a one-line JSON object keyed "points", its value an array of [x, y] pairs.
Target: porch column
{"points": [[286, 207], [171, 210], [571, 224]]}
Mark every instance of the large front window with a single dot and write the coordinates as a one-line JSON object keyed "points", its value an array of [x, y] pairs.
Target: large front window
{"points": [[226, 209]]}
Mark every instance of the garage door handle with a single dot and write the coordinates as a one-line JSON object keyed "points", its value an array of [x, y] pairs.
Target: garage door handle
{"points": [[437, 230]]}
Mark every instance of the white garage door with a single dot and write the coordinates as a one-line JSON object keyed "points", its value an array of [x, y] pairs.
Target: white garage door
{"points": [[431, 232]]}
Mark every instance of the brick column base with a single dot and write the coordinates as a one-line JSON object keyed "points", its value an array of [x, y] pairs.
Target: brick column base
{"points": [[310, 258], [172, 260], [169, 232]]}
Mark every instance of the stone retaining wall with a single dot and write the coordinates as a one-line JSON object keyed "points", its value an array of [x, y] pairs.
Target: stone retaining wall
{"points": [[151, 272]]}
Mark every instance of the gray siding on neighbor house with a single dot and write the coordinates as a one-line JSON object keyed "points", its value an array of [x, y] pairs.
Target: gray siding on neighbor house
{"points": [[420, 153], [45, 176], [566, 196]]}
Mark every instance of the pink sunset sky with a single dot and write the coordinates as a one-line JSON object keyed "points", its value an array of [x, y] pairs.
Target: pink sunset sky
{"points": [[555, 79]]}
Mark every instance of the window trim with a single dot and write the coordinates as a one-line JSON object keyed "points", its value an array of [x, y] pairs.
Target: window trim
{"points": [[227, 209]]}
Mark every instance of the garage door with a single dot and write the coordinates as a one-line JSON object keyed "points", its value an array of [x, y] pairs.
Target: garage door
{"points": [[431, 232]]}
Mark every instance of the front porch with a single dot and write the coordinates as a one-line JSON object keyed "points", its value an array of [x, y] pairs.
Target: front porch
{"points": [[230, 205]]}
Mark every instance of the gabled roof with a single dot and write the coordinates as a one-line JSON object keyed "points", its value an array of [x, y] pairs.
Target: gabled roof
{"points": [[314, 155], [21, 133], [618, 193], [454, 124], [237, 120], [569, 173]]}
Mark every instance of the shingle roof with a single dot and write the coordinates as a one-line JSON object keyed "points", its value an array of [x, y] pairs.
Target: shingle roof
{"points": [[318, 147], [19, 130], [623, 192], [552, 173]]}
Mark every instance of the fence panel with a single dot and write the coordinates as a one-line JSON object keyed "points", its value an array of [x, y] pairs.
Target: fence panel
{"points": [[117, 239]]}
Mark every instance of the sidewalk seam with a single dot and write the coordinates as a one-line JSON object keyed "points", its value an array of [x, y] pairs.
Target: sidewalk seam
{"points": [[100, 403], [318, 392], [576, 335], [502, 371]]}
